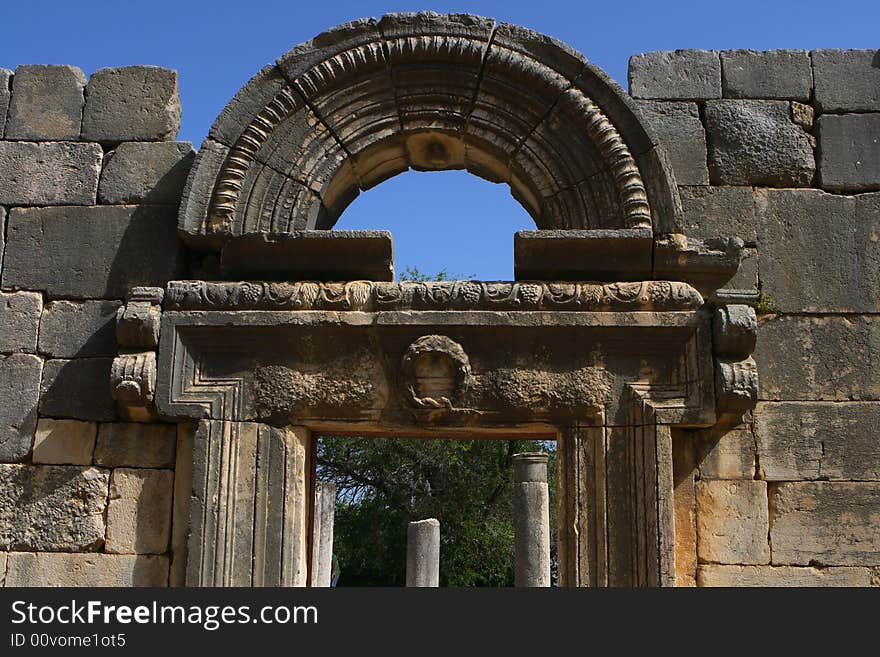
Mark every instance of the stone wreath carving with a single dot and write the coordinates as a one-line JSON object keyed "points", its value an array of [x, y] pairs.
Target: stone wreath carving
{"points": [[435, 372]]}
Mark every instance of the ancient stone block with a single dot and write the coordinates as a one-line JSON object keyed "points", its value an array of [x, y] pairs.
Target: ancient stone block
{"points": [[685, 512], [19, 321], [719, 212], [675, 75], [78, 388], [849, 152], [47, 103], [815, 440], [782, 74], [725, 454], [124, 246], [755, 142], [136, 445], [846, 80], [825, 523], [131, 103], [52, 507], [31, 569], [19, 390], [139, 511], [52, 173], [712, 575], [5, 84], [819, 251], [678, 126], [732, 522], [821, 358], [64, 442], [73, 329], [183, 478], [146, 172]]}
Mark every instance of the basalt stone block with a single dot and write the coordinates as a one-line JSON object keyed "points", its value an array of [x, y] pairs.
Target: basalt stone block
{"points": [[72, 329], [678, 126], [825, 523], [732, 522], [135, 444], [51, 173], [139, 511], [78, 388], [5, 93], [847, 80], [573, 255], [19, 321], [146, 172], [676, 75], [778, 576], [719, 212], [32, 569], [246, 104], [64, 442], [19, 392], [849, 152], [52, 508], [755, 142], [91, 252], [781, 74], [47, 103], [131, 103]]}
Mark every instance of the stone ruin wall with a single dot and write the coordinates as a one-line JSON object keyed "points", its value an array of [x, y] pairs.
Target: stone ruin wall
{"points": [[780, 148]]}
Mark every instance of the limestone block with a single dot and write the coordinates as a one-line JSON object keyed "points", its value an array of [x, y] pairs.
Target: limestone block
{"points": [[95, 569], [849, 152], [5, 84], [825, 523], [776, 576], [49, 173], [732, 522], [719, 212], [819, 252], [678, 127], [47, 103], [782, 74], [183, 479], [19, 392], [755, 142], [816, 440], [78, 388], [821, 358], [725, 454], [675, 75], [72, 329], [131, 103], [52, 508], [124, 246], [146, 172], [136, 444], [139, 512], [19, 321], [846, 80], [61, 442]]}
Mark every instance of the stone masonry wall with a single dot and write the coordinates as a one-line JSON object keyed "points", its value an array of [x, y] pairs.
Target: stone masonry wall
{"points": [[782, 148]]}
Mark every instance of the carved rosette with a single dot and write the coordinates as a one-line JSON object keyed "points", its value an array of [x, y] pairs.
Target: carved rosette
{"points": [[734, 334], [133, 373], [435, 373]]}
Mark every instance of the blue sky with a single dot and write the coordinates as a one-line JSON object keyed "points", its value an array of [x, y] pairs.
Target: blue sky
{"points": [[440, 220]]}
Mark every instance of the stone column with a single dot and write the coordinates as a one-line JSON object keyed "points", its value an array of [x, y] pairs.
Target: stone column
{"points": [[531, 514], [322, 533], [423, 553]]}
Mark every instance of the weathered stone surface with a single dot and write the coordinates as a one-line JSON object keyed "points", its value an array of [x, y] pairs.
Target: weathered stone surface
{"points": [[124, 246], [5, 84], [78, 388], [31, 569], [52, 507], [847, 80], [755, 142], [732, 522], [47, 103], [712, 575], [685, 511], [818, 358], [64, 442], [849, 152], [825, 523], [136, 445], [146, 172], [819, 251], [19, 390], [51, 173], [725, 454], [746, 277], [675, 75], [19, 321], [782, 74], [815, 440], [678, 126], [2, 569], [803, 115], [183, 478], [131, 103], [719, 212], [73, 329], [423, 553], [139, 512], [531, 520]]}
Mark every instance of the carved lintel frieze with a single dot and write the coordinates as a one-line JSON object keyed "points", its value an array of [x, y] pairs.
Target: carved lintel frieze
{"points": [[137, 322], [133, 379], [435, 372], [736, 384], [734, 331]]}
